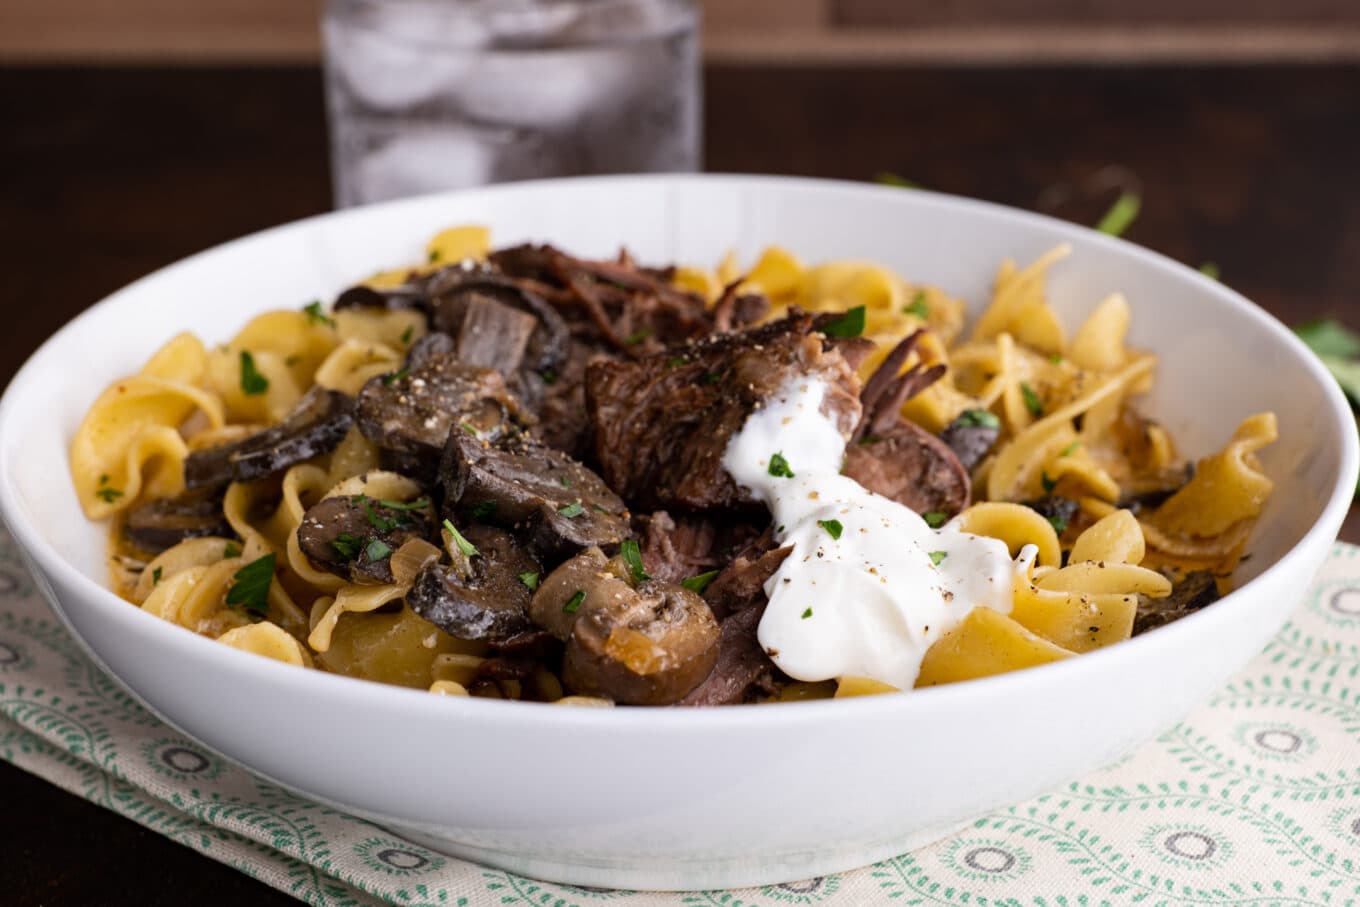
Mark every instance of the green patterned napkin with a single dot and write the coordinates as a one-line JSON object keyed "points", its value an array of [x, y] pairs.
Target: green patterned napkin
{"points": [[1254, 799]]}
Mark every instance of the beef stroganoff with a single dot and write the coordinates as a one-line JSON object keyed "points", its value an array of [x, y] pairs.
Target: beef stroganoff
{"points": [[525, 475]]}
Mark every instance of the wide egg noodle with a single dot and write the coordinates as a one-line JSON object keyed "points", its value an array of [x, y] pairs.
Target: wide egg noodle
{"points": [[267, 640]]}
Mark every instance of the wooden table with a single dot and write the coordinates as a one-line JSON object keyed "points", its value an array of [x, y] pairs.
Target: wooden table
{"points": [[109, 174]]}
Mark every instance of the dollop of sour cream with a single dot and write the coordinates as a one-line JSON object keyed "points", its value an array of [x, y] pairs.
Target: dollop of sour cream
{"points": [[868, 586]]}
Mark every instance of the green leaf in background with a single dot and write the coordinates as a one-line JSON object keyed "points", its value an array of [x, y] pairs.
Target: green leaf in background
{"points": [[1329, 338], [1121, 215], [1210, 270], [892, 179]]}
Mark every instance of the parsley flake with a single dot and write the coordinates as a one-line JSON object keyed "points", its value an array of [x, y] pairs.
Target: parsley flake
{"points": [[346, 545], [833, 527], [1070, 449], [807, 613], [467, 548], [574, 603], [529, 580], [711, 378], [632, 556], [637, 336], [104, 478], [156, 576], [389, 380], [779, 467], [1121, 215], [699, 583], [1033, 403], [1056, 358], [918, 306], [377, 521], [1059, 523], [252, 382], [317, 315], [377, 549], [850, 324], [417, 504], [108, 495], [572, 510], [433, 256], [407, 334], [936, 557], [978, 418], [250, 586], [231, 549], [549, 376], [675, 362], [1048, 483], [934, 518], [482, 510]]}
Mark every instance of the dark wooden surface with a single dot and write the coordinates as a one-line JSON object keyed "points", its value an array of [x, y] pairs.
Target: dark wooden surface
{"points": [[106, 175]]}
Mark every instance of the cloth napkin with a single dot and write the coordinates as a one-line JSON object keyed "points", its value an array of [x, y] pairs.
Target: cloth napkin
{"points": [[1253, 799]]}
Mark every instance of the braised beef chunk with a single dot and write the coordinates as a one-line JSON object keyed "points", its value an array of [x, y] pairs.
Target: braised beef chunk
{"points": [[315, 426], [662, 423], [911, 466], [889, 387], [561, 400], [483, 596], [742, 670], [741, 584], [410, 413], [1197, 590], [353, 536], [551, 501], [475, 312], [161, 523], [674, 549]]}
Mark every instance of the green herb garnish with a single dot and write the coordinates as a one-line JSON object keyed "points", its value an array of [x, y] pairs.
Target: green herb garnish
{"points": [[918, 306], [347, 545], [1032, 401], [807, 613], [779, 467], [1121, 215], [1070, 449], [978, 418], [572, 511], [417, 504], [549, 376], [574, 603], [711, 378], [378, 522], [252, 382], [676, 362], [104, 478], [433, 256], [564, 481], [467, 548], [482, 511], [934, 518], [632, 556], [156, 576], [1048, 483], [833, 527], [699, 583], [407, 334], [850, 324], [377, 549], [637, 336], [937, 556], [1056, 358], [530, 580], [250, 587], [317, 315], [1059, 523], [231, 549], [108, 495], [389, 380]]}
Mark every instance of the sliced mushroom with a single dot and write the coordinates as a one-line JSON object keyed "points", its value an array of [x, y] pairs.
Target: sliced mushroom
{"points": [[484, 596], [1197, 590], [406, 296], [353, 536], [544, 349], [650, 646], [428, 348], [911, 466], [555, 604], [970, 441], [316, 425], [557, 505], [411, 413], [164, 522]]}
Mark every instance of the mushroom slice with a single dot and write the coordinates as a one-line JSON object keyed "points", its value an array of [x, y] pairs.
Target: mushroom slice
{"points": [[545, 347], [588, 574], [411, 412], [970, 439], [406, 296], [353, 536], [483, 596], [651, 646], [557, 504], [315, 426], [164, 522]]}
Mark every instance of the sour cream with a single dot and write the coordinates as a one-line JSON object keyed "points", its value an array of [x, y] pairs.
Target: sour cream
{"points": [[868, 586]]}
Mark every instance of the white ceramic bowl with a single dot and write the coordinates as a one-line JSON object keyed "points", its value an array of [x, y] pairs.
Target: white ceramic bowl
{"points": [[666, 798]]}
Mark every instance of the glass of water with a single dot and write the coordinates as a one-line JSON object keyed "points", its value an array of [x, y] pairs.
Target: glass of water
{"points": [[426, 95]]}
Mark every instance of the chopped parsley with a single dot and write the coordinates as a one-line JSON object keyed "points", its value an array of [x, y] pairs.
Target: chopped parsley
{"points": [[807, 613], [676, 362], [850, 324], [469, 428], [833, 527], [467, 548], [779, 467], [1058, 522], [637, 336], [389, 380], [574, 603], [549, 376], [252, 382], [1048, 483], [699, 583], [482, 510], [572, 510], [103, 478], [1033, 403], [407, 334], [978, 418], [377, 549], [346, 545], [156, 576], [1070, 449], [417, 504], [231, 549], [433, 256], [250, 587], [377, 521], [934, 518], [108, 495], [937, 557], [564, 481], [1121, 215], [529, 580], [918, 306], [1056, 358], [598, 509], [632, 556], [711, 378], [317, 315]]}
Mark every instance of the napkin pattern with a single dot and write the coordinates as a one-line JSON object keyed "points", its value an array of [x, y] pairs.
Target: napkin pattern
{"points": [[1253, 799]]}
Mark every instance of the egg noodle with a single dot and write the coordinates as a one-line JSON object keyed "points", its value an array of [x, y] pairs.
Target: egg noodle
{"points": [[1063, 404]]}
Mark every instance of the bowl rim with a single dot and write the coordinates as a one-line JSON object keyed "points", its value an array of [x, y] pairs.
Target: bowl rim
{"points": [[421, 704]]}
